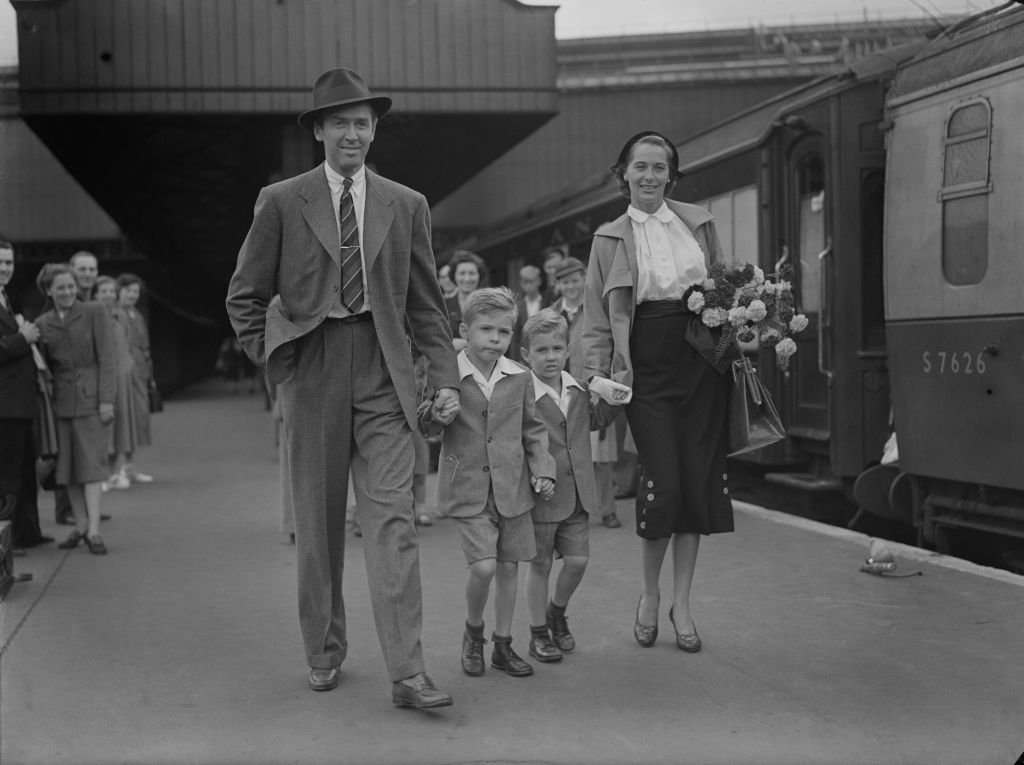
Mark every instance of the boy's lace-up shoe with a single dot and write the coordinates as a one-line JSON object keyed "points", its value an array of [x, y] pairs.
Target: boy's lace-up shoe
{"points": [[541, 647], [559, 627], [507, 660], [473, 651]]}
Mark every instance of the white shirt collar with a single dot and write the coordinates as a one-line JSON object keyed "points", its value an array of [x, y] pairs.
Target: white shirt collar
{"points": [[541, 388], [337, 181], [504, 366], [663, 214]]}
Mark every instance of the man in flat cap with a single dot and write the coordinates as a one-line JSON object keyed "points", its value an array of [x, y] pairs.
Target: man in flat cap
{"points": [[337, 264]]}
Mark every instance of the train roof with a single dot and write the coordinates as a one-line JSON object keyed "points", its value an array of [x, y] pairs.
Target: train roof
{"points": [[731, 136], [956, 53]]}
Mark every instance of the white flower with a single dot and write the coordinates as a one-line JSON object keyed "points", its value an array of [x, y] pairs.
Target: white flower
{"points": [[756, 311], [709, 284], [758, 275], [798, 323], [783, 350], [714, 317], [770, 288], [695, 302], [738, 316]]}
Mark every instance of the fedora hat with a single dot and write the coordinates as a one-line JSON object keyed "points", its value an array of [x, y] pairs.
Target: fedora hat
{"points": [[341, 87]]}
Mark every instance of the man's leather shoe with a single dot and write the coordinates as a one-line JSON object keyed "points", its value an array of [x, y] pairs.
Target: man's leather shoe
{"points": [[611, 521], [324, 679], [473, 652], [507, 660], [419, 692]]}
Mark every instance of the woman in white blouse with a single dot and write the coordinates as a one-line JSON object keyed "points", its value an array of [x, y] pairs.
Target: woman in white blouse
{"points": [[637, 332]]}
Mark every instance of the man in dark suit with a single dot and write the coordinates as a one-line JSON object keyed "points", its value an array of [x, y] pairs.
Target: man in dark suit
{"points": [[335, 266], [17, 411], [529, 302]]}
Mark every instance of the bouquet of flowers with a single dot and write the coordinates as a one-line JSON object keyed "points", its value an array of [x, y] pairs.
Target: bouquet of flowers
{"points": [[748, 306]]}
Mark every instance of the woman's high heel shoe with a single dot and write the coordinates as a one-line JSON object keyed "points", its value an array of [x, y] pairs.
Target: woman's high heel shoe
{"points": [[688, 643], [645, 635]]}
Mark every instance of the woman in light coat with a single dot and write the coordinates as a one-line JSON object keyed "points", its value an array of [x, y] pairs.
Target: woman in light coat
{"points": [[638, 332], [129, 290]]}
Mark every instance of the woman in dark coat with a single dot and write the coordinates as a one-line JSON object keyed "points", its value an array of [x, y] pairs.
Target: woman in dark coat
{"points": [[637, 332], [78, 342], [469, 272]]}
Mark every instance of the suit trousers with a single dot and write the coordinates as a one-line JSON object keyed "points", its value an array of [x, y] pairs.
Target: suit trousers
{"points": [[341, 410], [18, 477]]}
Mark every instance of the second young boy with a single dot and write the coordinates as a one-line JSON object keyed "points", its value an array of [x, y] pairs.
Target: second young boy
{"points": [[560, 522], [494, 457]]}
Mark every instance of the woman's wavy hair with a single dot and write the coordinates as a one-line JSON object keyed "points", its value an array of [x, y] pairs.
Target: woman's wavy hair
{"points": [[465, 256], [656, 139], [127, 280], [49, 272]]}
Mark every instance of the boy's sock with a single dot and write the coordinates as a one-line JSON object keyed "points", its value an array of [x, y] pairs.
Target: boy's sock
{"points": [[541, 647], [473, 650], [559, 626]]}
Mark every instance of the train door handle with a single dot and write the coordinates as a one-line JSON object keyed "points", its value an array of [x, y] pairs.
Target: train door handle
{"points": [[823, 306]]}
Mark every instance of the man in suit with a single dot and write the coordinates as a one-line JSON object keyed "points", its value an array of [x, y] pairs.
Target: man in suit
{"points": [[335, 266], [529, 303], [17, 411], [86, 269]]}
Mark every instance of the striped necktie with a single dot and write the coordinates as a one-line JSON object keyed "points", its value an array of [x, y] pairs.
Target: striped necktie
{"points": [[351, 259]]}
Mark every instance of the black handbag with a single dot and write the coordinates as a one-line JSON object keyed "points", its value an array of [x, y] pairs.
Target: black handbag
{"points": [[156, 402], [753, 419]]}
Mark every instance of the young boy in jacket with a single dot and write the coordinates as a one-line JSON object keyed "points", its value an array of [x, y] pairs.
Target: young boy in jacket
{"points": [[560, 522], [494, 457]]}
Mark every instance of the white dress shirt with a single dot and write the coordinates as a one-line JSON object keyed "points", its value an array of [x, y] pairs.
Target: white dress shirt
{"points": [[533, 306], [502, 368], [336, 182], [669, 258], [542, 389]]}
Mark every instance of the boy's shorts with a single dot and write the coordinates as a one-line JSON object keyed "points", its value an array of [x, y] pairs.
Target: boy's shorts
{"points": [[569, 537], [489, 534]]}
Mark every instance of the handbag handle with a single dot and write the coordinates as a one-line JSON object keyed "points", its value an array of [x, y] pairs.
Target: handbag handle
{"points": [[743, 367]]}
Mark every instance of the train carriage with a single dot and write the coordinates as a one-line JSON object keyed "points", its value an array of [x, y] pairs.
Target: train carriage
{"points": [[955, 277]]}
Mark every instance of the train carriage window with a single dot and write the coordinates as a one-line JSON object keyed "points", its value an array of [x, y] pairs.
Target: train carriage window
{"points": [[810, 189], [736, 222], [964, 194]]}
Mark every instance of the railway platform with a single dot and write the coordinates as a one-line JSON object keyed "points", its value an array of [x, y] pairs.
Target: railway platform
{"points": [[182, 645]]}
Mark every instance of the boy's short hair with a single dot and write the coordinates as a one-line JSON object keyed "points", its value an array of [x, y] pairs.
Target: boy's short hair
{"points": [[543, 322], [489, 300]]}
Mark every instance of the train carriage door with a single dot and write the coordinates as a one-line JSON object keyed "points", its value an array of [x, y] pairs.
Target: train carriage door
{"points": [[809, 254]]}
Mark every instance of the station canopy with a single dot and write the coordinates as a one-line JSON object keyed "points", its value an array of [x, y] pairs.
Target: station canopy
{"points": [[173, 113]]}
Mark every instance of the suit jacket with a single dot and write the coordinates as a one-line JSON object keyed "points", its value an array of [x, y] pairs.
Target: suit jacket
{"points": [[609, 302], [82, 357], [494, 445], [288, 278], [569, 444], [17, 371]]}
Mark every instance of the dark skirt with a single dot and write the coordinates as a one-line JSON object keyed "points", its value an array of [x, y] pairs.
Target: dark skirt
{"points": [[678, 416]]}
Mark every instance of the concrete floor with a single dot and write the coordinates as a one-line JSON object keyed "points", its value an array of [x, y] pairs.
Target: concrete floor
{"points": [[182, 645]]}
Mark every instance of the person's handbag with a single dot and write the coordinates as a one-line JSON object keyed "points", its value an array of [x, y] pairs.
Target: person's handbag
{"points": [[753, 419], [156, 402]]}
